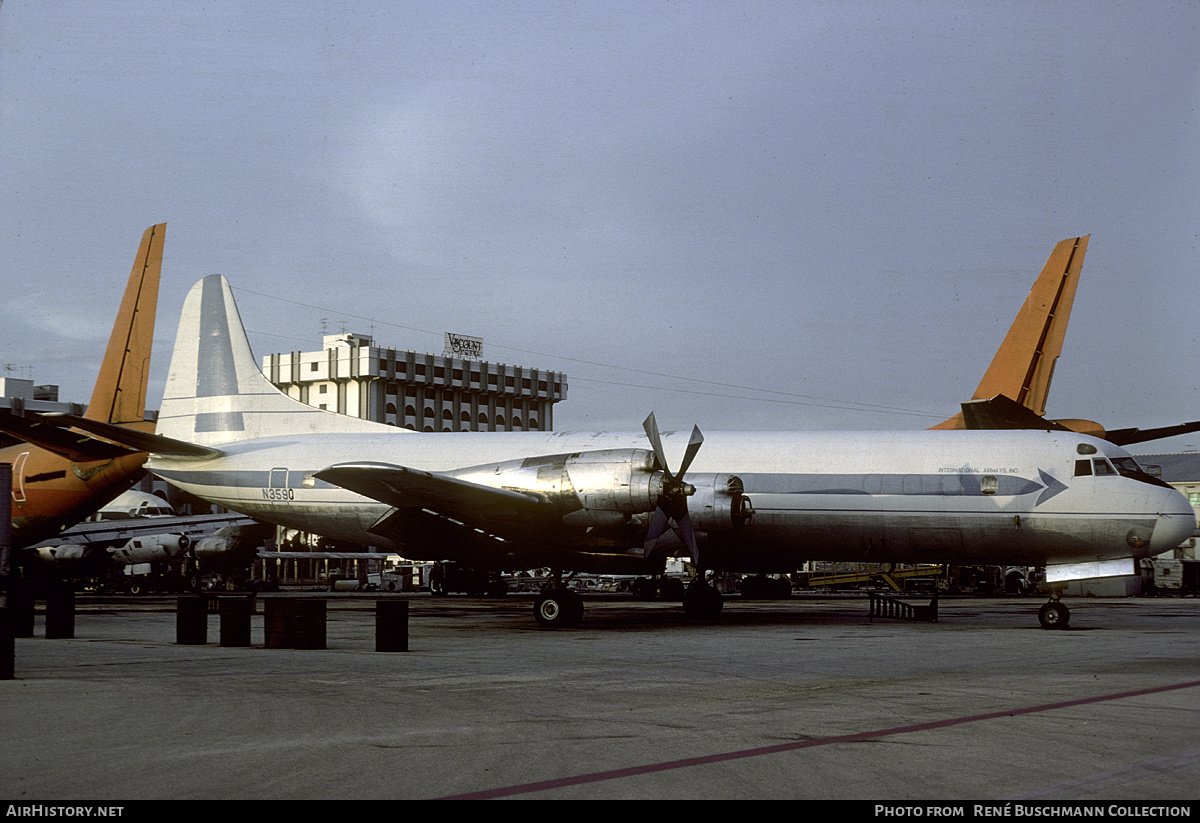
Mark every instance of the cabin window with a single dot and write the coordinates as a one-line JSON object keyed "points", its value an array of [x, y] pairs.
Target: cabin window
{"points": [[989, 484]]}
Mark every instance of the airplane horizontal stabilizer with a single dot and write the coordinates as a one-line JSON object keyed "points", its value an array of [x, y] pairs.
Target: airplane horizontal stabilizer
{"points": [[1001, 412], [76, 447], [1126, 437], [132, 439]]}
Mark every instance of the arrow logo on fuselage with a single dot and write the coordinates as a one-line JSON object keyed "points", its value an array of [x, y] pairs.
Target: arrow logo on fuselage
{"points": [[1052, 488]]}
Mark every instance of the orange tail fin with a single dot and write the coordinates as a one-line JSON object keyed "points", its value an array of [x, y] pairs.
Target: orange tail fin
{"points": [[120, 392], [1024, 364]]}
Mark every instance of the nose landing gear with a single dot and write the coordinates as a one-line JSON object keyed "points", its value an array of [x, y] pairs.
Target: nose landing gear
{"points": [[1054, 615]]}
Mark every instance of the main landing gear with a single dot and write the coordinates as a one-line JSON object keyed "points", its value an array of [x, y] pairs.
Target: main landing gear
{"points": [[557, 607], [702, 601]]}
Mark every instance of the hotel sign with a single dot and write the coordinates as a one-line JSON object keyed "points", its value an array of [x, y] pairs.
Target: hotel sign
{"points": [[468, 348]]}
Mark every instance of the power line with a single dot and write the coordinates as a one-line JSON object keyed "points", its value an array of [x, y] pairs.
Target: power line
{"points": [[784, 397]]}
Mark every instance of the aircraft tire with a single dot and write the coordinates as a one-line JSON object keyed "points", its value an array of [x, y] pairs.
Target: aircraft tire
{"points": [[1054, 616], [702, 602], [558, 609]]}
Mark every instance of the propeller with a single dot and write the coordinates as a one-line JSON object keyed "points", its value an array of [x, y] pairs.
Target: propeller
{"points": [[672, 505]]}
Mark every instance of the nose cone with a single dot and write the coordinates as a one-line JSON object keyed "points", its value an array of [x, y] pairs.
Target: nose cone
{"points": [[1176, 523]]}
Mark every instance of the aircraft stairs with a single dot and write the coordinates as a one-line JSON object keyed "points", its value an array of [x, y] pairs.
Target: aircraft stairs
{"points": [[885, 606]]}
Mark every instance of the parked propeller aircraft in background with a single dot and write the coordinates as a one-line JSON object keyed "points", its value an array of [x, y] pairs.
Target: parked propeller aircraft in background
{"points": [[65, 477], [609, 502], [140, 537]]}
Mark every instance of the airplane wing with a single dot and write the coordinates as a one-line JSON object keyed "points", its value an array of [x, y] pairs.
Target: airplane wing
{"points": [[52, 431], [114, 532], [431, 509], [409, 489]]}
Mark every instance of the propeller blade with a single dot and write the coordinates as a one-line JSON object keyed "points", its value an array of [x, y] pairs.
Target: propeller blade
{"points": [[650, 425], [689, 539], [672, 510], [693, 446], [658, 525]]}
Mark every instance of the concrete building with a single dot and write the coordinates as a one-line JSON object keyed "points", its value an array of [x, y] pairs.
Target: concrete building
{"points": [[19, 395], [422, 392]]}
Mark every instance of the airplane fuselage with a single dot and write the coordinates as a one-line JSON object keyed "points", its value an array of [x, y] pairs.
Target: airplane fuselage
{"points": [[50, 492], [943, 497]]}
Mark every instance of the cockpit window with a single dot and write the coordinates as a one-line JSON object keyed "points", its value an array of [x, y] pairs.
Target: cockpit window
{"points": [[1126, 466], [1083, 468], [1102, 467]]}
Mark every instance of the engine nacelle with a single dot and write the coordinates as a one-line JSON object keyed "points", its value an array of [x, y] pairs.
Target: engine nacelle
{"points": [[719, 503], [602, 487], [153, 547], [61, 553]]}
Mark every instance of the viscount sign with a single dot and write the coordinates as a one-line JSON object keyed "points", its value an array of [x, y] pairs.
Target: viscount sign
{"points": [[468, 348]]}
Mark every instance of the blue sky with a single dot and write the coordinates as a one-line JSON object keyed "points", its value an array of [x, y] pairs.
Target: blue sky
{"points": [[845, 202]]}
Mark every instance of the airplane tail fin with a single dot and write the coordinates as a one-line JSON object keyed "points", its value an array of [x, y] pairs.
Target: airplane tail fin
{"points": [[215, 391], [120, 392], [1024, 364]]}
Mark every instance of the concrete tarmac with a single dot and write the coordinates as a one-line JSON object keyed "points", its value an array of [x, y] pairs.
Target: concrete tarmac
{"points": [[798, 699]]}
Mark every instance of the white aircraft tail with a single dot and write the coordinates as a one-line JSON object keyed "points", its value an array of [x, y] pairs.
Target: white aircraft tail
{"points": [[216, 392]]}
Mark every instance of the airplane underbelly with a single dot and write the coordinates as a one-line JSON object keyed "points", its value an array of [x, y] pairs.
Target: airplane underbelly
{"points": [[785, 533]]}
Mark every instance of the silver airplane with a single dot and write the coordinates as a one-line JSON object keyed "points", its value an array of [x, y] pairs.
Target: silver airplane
{"points": [[610, 502]]}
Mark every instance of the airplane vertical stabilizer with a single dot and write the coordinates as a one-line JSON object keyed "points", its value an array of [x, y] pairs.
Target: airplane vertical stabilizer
{"points": [[1024, 364], [216, 392], [120, 392]]}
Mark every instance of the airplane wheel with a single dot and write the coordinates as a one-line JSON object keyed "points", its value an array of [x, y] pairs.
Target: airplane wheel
{"points": [[1054, 616], [558, 609], [702, 601]]}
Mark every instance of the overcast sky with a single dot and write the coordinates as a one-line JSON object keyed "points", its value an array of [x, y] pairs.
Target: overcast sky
{"points": [[680, 205]]}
